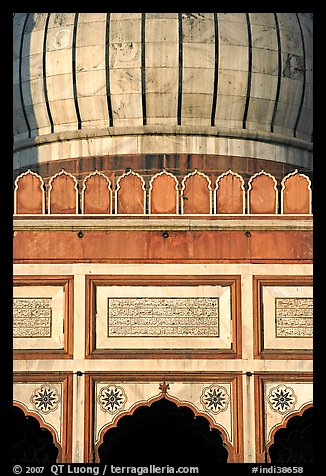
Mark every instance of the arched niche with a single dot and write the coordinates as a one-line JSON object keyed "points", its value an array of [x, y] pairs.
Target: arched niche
{"points": [[63, 194], [130, 195], [196, 194], [262, 194], [230, 194], [164, 431], [291, 440], [296, 194], [163, 193], [29, 194], [34, 441], [96, 194]]}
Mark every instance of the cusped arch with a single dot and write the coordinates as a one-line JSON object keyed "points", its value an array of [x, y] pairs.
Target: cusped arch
{"points": [[163, 193], [230, 193], [130, 194], [196, 194], [262, 194], [43, 425], [147, 403], [284, 424], [296, 194], [96, 194], [63, 194], [29, 193]]}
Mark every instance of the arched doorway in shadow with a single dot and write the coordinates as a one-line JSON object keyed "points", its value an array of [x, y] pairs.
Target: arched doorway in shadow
{"points": [[32, 444], [294, 443], [163, 434]]}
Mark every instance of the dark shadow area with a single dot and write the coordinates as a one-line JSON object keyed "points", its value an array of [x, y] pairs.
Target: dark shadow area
{"points": [[163, 434], [32, 445], [294, 444]]}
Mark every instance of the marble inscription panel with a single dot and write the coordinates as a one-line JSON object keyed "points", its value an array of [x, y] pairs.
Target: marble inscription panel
{"points": [[293, 317], [171, 317], [32, 317]]}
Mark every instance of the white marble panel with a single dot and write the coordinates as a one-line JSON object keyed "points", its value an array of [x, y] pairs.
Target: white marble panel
{"points": [[263, 86], [125, 55], [165, 81], [94, 108], [264, 61], [291, 42], [57, 304], [260, 112], [160, 30], [233, 57], [233, 17], [197, 105], [58, 62], [198, 80], [63, 112], [265, 19], [59, 19], [232, 83], [229, 107], [199, 30], [91, 17], [125, 31], [161, 55], [60, 87], [59, 38], [271, 335], [288, 21], [264, 37], [198, 55], [125, 80], [126, 106], [90, 34], [162, 105], [125, 16], [91, 83], [90, 58], [232, 32], [285, 117], [182, 341]]}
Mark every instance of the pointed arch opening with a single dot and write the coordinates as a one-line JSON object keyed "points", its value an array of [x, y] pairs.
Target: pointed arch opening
{"points": [[33, 442], [292, 443], [163, 432]]}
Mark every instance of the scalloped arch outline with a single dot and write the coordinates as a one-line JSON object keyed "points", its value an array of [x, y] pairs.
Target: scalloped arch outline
{"points": [[92, 174], [174, 400], [62, 172], [29, 172], [209, 186], [130, 172]]}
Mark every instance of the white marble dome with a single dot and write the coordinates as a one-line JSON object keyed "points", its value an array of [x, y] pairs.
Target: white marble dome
{"points": [[240, 75]]}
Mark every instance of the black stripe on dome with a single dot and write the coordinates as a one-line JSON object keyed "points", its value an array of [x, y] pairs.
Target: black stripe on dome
{"points": [[279, 74], [44, 73], [107, 68], [20, 75], [215, 70], [304, 79], [143, 70], [180, 70], [245, 113], [74, 78]]}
